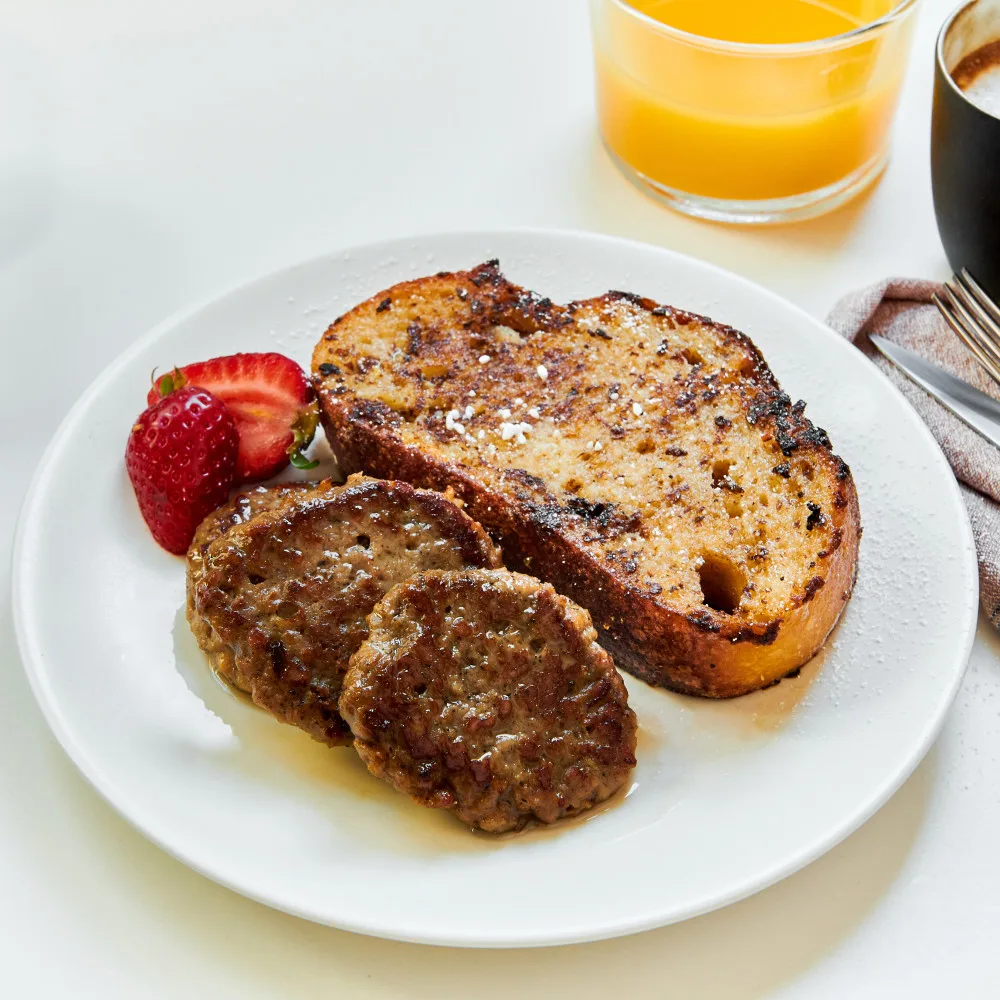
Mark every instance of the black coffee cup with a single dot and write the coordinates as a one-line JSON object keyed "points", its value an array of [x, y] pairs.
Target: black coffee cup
{"points": [[965, 151]]}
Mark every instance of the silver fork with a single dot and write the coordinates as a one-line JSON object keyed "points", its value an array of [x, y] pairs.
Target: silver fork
{"points": [[974, 317]]}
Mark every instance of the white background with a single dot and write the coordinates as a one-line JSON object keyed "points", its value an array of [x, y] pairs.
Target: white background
{"points": [[152, 154]]}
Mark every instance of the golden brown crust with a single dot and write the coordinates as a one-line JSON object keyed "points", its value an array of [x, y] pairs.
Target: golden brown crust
{"points": [[388, 371]]}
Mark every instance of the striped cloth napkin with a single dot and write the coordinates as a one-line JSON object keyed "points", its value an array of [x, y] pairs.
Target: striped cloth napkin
{"points": [[901, 310]]}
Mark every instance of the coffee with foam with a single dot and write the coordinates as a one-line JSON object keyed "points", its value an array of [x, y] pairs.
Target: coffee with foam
{"points": [[978, 76]]}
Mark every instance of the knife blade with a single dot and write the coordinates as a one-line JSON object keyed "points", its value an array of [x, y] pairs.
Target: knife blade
{"points": [[975, 408]]}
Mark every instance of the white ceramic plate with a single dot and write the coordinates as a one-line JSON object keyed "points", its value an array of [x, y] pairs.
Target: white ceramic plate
{"points": [[727, 798]]}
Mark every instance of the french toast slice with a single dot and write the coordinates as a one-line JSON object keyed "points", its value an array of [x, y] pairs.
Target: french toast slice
{"points": [[642, 459]]}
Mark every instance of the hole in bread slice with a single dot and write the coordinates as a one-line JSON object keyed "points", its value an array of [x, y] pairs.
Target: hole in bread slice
{"points": [[508, 334], [733, 505], [720, 470], [722, 583], [731, 490]]}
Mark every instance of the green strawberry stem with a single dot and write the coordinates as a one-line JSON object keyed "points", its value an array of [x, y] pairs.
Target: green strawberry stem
{"points": [[171, 382], [303, 432]]}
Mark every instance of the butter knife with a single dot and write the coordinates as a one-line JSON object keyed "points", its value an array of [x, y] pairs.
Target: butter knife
{"points": [[975, 408]]}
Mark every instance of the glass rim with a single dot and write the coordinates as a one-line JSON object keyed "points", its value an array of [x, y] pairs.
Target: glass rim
{"points": [[766, 48]]}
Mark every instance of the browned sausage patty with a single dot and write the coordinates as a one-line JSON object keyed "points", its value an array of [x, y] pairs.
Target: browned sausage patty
{"points": [[288, 591], [485, 692], [240, 508]]}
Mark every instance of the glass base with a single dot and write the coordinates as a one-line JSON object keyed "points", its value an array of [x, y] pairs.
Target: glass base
{"points": [[770, 211]]}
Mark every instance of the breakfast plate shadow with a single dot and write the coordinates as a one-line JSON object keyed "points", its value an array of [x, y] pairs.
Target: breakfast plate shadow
{"points": [[727, 798]]}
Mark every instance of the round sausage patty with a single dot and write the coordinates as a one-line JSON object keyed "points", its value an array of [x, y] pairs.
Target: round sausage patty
{"points": [[240, 508], [485, 692], [288, 592]]}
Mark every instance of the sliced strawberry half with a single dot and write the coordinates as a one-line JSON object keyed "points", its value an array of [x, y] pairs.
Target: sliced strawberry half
{"points": [[270, 400]]}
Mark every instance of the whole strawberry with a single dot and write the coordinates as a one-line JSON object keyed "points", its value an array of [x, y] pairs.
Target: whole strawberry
{"points": [[181, 459]]}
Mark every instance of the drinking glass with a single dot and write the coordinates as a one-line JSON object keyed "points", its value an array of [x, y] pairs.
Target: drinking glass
{"points": [[741, 132]]}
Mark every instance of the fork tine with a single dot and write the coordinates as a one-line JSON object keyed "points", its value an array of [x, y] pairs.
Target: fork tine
{"points": [[978, 302], [985, 326], [973, 286], [985, 361], [973, 307], [991, 367], [967, 314]]}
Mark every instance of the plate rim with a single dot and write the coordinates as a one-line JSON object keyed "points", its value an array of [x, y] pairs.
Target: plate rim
{"points": [[33, 660]]}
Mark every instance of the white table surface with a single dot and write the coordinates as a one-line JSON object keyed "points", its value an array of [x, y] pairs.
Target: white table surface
{"points": [[153, 153]]}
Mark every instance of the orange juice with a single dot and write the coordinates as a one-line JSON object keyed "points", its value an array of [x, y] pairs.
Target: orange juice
{"points": [[749, 101], [762, 22]]}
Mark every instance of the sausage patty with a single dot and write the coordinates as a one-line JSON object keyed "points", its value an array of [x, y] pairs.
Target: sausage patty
{"points": [[485, 692], [288, 591], [240, 508]]}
